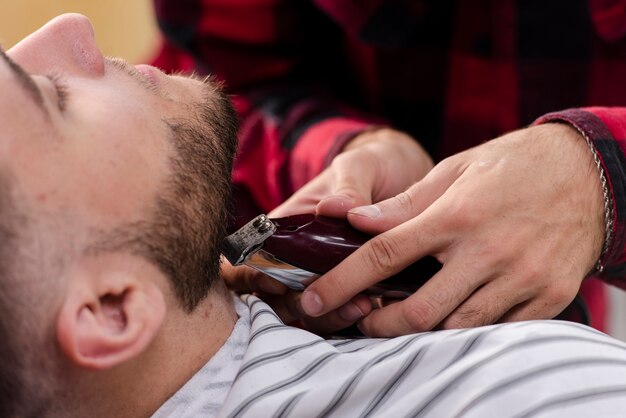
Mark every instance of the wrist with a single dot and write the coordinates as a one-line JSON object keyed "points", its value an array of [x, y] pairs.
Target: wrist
{"points": [[597, 186], [607, 202]]}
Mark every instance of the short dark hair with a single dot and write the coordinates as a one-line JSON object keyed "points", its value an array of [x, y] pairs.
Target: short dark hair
{"points": [[190, 224]]}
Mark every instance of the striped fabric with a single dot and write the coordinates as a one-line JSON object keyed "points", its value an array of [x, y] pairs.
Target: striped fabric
{"points": [[525, 369], [204, 394]]}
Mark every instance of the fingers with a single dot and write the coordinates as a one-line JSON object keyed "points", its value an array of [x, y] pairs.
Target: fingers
{"points": [[499, 300], [288, 308], [373, 166], [353, 185], [244, 279], [306, 198], [546, 306], [389, 213], [428, 306], [379, 258], [346, 184], [486, 305], [337, 205]]}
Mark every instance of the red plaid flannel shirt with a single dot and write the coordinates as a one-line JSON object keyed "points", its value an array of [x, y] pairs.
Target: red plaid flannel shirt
{"points": [[309, 75]]}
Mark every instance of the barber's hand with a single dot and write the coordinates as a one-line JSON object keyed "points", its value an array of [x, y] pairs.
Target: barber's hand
{"points": [[374, 166], [517, 223]]}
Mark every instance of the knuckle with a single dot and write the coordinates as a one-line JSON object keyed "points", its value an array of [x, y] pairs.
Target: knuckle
{"points": [[559, 295], [467, 212], [420, 316], [447, 165], [341, 159], [335, 289], [490, 254], [383, 255], [349, 158], [468, 315], [494, 250], [533, 271], [405, 201]]}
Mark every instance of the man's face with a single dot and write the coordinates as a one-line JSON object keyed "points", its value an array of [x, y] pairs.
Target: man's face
{"points": [[100, 148], [83, 132]]}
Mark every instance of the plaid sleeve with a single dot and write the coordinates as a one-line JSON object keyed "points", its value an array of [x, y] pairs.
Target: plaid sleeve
{"points": [[291, 127], [278, 155], [606, 128]]}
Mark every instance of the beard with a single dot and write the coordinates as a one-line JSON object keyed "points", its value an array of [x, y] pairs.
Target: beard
{"points": [[183, 233], [190, 224]]}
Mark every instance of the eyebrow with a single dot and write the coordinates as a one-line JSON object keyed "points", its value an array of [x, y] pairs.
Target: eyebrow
{"points": [[26, 82]]}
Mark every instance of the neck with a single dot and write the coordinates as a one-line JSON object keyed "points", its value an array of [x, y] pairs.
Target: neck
{"points": [[185, 344]]}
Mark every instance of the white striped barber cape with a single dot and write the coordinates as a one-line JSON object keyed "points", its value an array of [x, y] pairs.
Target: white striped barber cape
{"points": [[524, 369]]}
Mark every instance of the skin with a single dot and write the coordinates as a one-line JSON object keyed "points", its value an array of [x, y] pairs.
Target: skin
{"points": [[95, 162], [517, 222]]}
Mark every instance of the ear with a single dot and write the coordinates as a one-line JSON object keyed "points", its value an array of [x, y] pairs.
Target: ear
{"points": [[105, 321]]}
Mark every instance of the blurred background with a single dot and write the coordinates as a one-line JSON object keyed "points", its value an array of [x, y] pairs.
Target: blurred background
{"points": [[126, 28]]}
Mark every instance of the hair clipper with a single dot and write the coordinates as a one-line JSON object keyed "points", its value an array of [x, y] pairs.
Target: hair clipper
{"points": [[298, 249]]}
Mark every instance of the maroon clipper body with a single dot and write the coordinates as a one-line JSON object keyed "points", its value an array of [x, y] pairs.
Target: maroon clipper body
{"points": [[298, 249]]}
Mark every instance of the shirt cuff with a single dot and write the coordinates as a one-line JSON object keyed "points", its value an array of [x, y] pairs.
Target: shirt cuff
{"points": [[606, 130]]}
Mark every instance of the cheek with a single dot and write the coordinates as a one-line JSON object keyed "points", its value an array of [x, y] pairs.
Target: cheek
{"points": [[120, 166], [104, 170], [23, 125]]}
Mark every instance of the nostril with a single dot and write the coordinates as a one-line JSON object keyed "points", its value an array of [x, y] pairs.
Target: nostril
{"points": [[88, 56]]}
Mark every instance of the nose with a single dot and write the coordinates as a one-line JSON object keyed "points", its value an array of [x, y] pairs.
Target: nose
{"points": [[66, 43]]}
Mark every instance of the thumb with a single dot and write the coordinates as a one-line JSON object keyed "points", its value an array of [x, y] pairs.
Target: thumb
{"points": [[349, 191]]}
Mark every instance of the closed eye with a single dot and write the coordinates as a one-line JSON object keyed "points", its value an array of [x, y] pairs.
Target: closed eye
{"points": [[61, 90]]}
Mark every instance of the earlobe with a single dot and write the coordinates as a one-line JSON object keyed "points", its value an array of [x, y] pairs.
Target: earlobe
{"points": [[98, 329]]}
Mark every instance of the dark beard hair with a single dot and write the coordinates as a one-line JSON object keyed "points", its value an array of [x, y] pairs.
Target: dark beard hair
{"points": [[190, 225], [184, 233]]}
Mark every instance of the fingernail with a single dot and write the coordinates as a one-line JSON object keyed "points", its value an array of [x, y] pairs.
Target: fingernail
{"points": [[342, 199], [350, 312], [370, 211], [311, 303]]}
